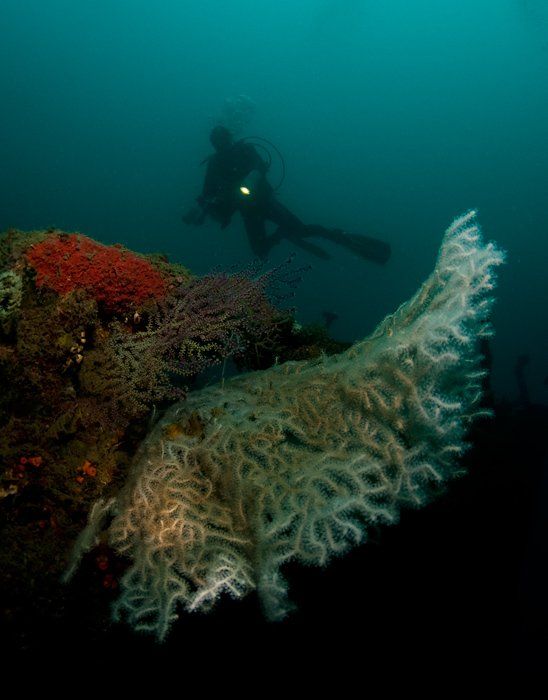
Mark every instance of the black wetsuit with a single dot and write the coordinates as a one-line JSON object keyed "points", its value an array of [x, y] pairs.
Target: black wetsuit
{"points": [[227, 170], [221, 196]]}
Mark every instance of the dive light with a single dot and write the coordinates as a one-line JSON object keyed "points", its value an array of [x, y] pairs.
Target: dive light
{"points": [[249, 185]]}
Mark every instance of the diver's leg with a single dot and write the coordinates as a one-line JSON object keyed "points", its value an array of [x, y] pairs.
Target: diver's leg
{"points": [[365, 247], [256, 233], [290, 225], [292, 229], [286, 220]]}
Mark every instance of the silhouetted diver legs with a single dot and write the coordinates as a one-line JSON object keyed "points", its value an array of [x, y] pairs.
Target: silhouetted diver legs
{"points": [[294, 230]]}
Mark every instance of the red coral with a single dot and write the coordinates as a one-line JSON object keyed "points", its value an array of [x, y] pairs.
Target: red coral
{"points": [[115, 277]]}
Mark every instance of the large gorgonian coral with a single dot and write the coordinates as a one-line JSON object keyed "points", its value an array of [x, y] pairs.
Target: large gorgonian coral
{"points": [[298, 462]]}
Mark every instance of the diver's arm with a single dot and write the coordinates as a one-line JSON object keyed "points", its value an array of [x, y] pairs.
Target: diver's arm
{"points": [[196, 215], [215, 199], [211, 186]]}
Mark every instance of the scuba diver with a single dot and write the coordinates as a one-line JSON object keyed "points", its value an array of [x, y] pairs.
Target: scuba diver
{"points": [[236, 180]]}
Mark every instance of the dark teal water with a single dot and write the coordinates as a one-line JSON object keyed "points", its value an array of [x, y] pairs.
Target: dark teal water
{"points": [[393, 117]]}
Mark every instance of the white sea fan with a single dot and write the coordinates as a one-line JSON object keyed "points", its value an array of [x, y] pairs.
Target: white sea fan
{"points": [[299, 461]]}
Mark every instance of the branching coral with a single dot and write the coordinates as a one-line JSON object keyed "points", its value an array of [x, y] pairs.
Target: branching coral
{"points": [[298, 462], [201, 323]]}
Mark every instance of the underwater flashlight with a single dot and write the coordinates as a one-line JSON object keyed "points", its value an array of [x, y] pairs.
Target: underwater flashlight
{"points": [[249, 185]]}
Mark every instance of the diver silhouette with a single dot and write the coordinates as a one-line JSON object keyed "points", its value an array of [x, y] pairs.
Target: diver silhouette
{"points": [[236, 180]]}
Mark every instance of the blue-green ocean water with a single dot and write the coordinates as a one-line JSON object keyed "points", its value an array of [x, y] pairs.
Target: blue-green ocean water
{"points": [[393, 117]]}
